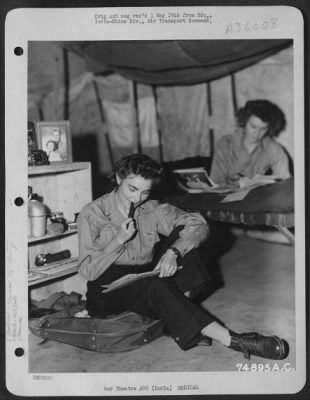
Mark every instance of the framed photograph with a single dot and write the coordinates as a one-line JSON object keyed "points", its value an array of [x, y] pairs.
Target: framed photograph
{"points": [[54, 137]]}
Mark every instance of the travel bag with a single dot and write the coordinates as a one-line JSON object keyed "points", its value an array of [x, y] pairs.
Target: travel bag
{"points": [[116, 333]]}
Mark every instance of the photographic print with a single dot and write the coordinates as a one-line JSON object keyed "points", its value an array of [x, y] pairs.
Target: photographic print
{"points": [[54, 137], [185, 177], [157, 291]]}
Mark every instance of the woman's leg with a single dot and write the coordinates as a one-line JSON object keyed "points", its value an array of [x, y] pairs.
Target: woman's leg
{"points": [[157, 298], [163, 298]]}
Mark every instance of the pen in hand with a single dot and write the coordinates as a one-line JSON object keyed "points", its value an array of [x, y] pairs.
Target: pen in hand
{"points": [[131, 211]]}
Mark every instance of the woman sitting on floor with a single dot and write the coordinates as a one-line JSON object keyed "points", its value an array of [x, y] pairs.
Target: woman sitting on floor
{"points": [[113, 244]]}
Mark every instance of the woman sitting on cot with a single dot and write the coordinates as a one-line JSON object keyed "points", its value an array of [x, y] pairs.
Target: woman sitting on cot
{"points": [[252, 150]]}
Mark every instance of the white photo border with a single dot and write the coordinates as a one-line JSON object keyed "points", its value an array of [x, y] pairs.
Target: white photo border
{"points": [[64, 127], [24, 25]]}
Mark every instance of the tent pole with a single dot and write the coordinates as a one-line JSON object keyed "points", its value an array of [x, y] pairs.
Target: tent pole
{"points": [[136, 115], [106, 133], [210, 114], [234, 93], [160, 141], [66, 84]]}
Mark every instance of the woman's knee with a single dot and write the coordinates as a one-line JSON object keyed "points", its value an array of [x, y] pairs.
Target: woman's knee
{"points": [[159, 287]]}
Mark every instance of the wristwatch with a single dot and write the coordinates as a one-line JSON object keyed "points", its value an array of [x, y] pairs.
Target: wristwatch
{"points": [[176, 251]]}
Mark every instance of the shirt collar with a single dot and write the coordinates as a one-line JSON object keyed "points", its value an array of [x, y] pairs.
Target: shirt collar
{"points": [[266, 142], [238, 140], [111, 210], [115, 212]]}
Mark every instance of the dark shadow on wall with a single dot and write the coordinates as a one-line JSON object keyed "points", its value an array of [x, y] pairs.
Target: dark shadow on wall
{"points": [[85, 148], [168, 185]]}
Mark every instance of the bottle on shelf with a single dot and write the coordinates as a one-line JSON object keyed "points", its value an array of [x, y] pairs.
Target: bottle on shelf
{"points": [[37, 216]]}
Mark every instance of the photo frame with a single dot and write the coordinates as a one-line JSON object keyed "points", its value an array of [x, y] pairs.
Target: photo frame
{"points": [[54, 137]]}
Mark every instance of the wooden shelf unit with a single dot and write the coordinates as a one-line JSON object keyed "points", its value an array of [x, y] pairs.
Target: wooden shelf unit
{"points": [[38, 276], [57, 168], [64, 188], [50, 237]]}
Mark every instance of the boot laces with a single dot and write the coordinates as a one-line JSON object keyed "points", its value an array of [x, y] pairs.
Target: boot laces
{"points": [[248, 345], [245, 351]]}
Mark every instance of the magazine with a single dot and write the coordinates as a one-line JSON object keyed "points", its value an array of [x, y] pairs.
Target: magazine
{"points": [[128, 279], [248, 184], [187, 176]]}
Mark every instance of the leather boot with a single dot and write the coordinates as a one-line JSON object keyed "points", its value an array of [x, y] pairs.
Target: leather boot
{"points": [[271, 347]]}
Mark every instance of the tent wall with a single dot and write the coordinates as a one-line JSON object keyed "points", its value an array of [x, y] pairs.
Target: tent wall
{"points": [[183, 110]]}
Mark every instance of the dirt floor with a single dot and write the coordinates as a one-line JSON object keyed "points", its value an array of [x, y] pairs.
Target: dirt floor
{"points": [[257, 295]]}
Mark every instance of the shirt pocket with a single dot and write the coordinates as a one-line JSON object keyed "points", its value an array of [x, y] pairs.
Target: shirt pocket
{"points": [[149, 238], [103, 231]]}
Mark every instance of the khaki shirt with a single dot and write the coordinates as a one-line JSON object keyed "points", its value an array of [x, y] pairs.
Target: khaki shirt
{"points": [[99, 222], [232, 160]]}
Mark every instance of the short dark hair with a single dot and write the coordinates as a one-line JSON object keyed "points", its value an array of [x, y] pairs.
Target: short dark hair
{"points": [[139, 164], [267, 112], [54, 143]]}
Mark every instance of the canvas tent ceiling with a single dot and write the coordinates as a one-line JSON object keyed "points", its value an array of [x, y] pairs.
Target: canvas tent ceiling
{"points": [[175, 62]]}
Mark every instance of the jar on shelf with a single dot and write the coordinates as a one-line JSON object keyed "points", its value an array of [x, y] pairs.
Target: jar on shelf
{"points": [[37, 216]]}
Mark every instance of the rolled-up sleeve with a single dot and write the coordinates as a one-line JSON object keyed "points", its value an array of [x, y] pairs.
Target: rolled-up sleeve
{"points": [[195, 229], [98, 245], [279, 161]]}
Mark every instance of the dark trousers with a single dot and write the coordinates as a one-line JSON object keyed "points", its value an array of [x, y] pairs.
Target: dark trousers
{"points": [[158, 298]]}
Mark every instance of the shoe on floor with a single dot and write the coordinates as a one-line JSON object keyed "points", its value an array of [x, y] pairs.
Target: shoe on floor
{"points": [[271, 347]]}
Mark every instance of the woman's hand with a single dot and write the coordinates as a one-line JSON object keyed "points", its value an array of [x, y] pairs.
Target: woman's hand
{"points": [[197, 184], [236, 181], [126, 230], [167, 264]]}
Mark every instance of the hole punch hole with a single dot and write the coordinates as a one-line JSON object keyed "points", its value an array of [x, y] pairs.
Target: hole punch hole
{"points": [[19, 201], [19, 352], [18, 51]]}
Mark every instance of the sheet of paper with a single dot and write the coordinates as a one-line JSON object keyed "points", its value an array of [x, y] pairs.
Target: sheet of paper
{"points": [[127, 280], [257, 180], [236, 196]]}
